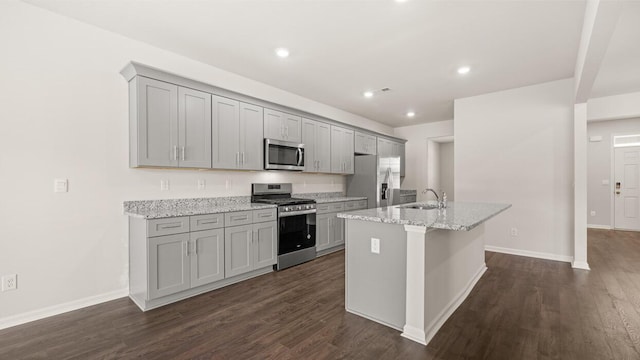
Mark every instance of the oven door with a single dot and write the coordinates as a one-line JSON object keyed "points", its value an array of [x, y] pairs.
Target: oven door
{"points": [[296, 232], [283, 155]]}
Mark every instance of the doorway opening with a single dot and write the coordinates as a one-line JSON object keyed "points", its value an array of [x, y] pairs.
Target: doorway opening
{"points": [[440, 167]]}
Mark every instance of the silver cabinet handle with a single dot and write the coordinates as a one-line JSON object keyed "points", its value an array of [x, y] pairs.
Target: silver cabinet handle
{"points": [[212, 221], [243, 158], [186, 248], [237, 158], [175, 153], [183, 153], [195, 247], [169, 226]]}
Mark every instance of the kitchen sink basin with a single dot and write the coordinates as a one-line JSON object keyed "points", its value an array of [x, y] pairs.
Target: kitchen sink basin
{"points": [[421, 207]]}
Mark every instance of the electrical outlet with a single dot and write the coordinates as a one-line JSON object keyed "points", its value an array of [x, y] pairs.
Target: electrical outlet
{"points": [[164, 185], [60, 185], [9, 282], [375, 246], [202, 184], [593, 213], [514, 231]]}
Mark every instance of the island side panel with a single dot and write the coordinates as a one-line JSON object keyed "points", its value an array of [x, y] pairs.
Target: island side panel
{"points": [[376, 283], [454, 263]]}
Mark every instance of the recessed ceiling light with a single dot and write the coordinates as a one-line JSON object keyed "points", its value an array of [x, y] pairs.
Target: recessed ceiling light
{"points": [[282, 52], [368, 94], [463, 70], [401, 1], [411, 114]]}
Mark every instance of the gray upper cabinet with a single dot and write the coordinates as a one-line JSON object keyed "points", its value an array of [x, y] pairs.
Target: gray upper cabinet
{"points": [[316, 137], [153, 123], [342, 143], [206, 250], [237, 135], [392, 148], [194, 128], [251, 137], [282, 126], [170, 126], [365, 143], [168, 265]]}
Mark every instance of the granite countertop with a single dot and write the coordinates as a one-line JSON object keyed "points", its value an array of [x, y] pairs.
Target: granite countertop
{"points": [[155, 209], [457, 216], [328, 197]]}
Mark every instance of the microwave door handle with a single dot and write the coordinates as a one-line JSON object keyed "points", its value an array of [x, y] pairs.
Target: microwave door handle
{"points": [[299, 156]]}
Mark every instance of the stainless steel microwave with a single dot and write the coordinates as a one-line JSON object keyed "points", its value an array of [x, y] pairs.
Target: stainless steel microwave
{"points": [[283, 155]]}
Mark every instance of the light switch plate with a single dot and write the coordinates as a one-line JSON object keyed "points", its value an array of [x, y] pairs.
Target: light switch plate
{"points": [[593, 213], [164, 185], [60, 185], [375, 246]]}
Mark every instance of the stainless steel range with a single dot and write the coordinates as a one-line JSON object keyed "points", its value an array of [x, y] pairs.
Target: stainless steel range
{"points": [[296, 223]]}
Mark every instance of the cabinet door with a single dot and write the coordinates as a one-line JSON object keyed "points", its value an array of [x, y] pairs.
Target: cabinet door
{"points": [[154, 129], [324, 231], [265, 242], [372, 143], [226, 133], [194, 128], [207, 256], [238, 252], [168, 265], [338, 228], [292, 128], [384, 148], [347, 149], [323, 147], [337, 150], [360, 143], [309, 129], [274, 125], [402, 159], [251, 137]]}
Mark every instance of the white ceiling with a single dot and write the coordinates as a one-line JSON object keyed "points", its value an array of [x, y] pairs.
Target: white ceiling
{"points": [[341, 48]]}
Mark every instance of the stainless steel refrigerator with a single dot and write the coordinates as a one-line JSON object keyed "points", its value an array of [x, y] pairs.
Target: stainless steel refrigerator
{"points": [[375, 177]]}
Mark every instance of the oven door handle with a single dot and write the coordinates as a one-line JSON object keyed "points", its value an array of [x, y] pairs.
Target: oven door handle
{"points": [[300, 212], [299, 157]]}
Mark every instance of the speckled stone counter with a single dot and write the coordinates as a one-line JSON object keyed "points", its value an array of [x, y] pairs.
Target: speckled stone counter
{"points": [[154, 209], [328, 197], [456, 216]]}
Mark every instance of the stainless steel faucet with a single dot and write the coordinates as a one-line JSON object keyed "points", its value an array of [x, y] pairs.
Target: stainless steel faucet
{"points": [[441, 203]]}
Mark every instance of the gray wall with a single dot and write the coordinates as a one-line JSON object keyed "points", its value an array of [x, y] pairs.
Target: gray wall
{"points": [[599, 159], [446, 169]]}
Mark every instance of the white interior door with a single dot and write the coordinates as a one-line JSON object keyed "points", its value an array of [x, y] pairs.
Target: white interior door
{"points": [[627, 188]]}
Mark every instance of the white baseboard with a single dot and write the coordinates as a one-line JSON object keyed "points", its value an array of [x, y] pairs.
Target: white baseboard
{"points": [[533, 254], [580, 265], [594, 226], [432, 329], [61, 308]]}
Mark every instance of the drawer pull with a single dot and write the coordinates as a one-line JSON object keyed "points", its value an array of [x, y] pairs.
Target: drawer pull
{"points": [[169, 226], [240, 217], [215, 221]]}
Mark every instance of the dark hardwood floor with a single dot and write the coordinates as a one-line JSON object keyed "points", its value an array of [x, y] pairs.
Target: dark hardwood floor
{"points": [[522, 308]]}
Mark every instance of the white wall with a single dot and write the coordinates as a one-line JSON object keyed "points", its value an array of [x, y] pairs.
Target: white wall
{"points": [[516, 146], [446, 169], [614, 107], [599, 158], [417, 155], [65, 115]]}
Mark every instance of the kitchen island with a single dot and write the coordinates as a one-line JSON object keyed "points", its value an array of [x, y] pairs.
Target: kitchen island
{"points": [[410, 266]]}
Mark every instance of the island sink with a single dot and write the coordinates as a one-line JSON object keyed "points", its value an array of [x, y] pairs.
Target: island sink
{"points": [[421, 207]]}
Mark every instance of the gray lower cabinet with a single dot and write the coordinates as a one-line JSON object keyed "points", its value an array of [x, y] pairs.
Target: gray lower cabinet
{"points": [[206, 250], [330, 232], [169, 267], [250, 247]]}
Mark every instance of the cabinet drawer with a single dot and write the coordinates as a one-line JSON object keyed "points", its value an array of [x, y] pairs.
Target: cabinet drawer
{"points": [[265, 215], [322, 208], [361, 204], [167, 226], [206, 222], [238, 218], [336, 207], [350, 205]]}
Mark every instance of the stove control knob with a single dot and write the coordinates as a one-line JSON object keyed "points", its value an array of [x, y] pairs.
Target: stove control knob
{"points": [[286, 209], [309, 236]]}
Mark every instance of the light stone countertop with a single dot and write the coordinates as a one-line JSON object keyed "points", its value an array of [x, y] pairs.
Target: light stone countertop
{"points": [[155, 209], [457, 216], [328, 197]]}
